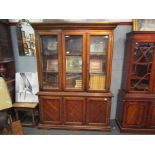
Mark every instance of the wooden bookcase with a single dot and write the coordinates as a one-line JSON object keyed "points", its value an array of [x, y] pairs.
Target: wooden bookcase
{"points": [[136, 99], [74, 66], [7, 69]]}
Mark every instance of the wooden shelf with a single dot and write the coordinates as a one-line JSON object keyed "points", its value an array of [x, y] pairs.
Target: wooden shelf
{"points": [[51, 72], [7, 60], [73, 72], [10, 80]]}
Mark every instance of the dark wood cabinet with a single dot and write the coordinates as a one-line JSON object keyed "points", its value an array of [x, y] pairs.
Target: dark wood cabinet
{"points": [[74, 110], [7, 68], [51, 109], [135, 114], [135, 110], [151, 116], [97, 111], [74, 64]]}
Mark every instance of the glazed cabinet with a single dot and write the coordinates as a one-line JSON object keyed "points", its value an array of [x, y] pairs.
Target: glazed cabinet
{"points": [[135, 112], [74, 67]]}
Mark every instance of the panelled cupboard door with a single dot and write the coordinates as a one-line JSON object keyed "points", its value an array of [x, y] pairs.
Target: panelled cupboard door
{"points": [[151, 116], [97, 111], [74, 108], [135, 114], [51, 109], [49, 64], [74, 55]]}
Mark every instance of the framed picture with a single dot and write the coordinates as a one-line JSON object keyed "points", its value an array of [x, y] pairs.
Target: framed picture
{"points": [[95, 66], [26, 87], [144, 25], [52, 65]]}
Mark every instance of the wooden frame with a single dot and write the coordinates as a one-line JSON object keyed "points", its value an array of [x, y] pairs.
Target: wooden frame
{"points": [[136, 112], [109, 57], [74, 101], [143, 24], [39, 56], [79, 33]]}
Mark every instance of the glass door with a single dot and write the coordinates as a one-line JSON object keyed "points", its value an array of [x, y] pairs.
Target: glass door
{"points": [[50, 59], [141, 70], [73, 50], [97, 61]]}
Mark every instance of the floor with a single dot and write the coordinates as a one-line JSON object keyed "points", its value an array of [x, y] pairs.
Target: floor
{"points": [[36, 131]]}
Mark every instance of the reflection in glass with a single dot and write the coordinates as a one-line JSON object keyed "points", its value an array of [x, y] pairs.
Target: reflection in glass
{"points": [[50, 61], [74, 81], [73, 50], [97, 62]]}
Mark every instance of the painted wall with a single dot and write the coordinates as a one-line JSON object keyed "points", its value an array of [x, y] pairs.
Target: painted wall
{"points": [[28, 64]]}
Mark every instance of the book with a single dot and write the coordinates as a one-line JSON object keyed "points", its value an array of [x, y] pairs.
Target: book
{"points": [[97, 82]]}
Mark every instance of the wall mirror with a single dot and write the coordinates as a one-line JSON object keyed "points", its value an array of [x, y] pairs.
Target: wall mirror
{"points": [[26, 38]]}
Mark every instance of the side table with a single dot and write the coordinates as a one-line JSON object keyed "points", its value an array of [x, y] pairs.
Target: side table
{"points": [[29, 107]]}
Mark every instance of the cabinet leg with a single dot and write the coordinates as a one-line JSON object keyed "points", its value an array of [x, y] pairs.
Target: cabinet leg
{"points": [[16, 113]]}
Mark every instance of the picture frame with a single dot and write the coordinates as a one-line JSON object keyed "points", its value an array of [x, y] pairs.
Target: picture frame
{"points": [[95, 66], [52, 65], [143, 24]]}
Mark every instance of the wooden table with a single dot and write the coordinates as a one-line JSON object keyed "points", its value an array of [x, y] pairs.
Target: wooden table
{"points": [[26, 106]]}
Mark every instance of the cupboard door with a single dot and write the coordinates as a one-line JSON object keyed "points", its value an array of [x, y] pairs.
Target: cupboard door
{"points": [[98, 70], [151, 116], [97, 111], [74, 108], [51, 110], [135, 114], [74, 50], [142, 66], [50, 58]]}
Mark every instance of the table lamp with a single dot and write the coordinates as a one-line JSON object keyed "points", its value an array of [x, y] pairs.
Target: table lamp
{"points": [[5, 99]]}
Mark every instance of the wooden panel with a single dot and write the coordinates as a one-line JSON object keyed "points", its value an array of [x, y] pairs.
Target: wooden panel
{"points": [[97, 111], [50, 110], [135, 114], [151, 116], [74, 108]]}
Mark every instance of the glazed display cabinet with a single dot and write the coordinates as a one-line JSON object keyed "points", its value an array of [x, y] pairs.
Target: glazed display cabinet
{"points": [[74, 66], [136, 100]]}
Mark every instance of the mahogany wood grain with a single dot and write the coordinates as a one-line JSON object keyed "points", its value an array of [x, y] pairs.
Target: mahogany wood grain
{"points": [[151, 116], [135, 109], [66, 108], [97, 111], [51, 110], [74, 110]]}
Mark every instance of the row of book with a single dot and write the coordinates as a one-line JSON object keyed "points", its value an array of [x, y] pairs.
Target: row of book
{"points": [[78, 83], [97, 82]]}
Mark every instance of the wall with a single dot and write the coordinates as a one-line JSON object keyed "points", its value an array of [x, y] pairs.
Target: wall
{"points": [[117, 63], [22, 63], [28, 64]]}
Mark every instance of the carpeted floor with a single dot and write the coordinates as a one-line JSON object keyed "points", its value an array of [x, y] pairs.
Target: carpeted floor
{"points": [[36, 131]]}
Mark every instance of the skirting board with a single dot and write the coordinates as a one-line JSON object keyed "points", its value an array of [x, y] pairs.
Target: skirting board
{"points": [[134, 131], [75, 127]]}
